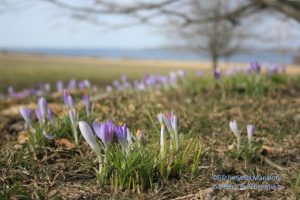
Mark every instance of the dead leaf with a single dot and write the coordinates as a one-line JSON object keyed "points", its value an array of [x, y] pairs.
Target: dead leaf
{"points": [[22, 137], [65, 143]]}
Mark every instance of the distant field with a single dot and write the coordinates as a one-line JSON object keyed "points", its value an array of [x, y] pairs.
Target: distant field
{"points": [[26, 70]]}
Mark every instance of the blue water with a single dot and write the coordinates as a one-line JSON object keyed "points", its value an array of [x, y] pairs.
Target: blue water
{"points": [[158, 54]]}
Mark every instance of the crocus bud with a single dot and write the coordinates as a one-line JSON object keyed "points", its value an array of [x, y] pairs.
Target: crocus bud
{"points": [[72, 84], [50, 116], [160, 118], [86, 101], [250, 132], [26, 114], [89, 137], [68, 100], [59, 86], [236, 132], [121, 132], [38, 115], [139, 135], [43, 107]]}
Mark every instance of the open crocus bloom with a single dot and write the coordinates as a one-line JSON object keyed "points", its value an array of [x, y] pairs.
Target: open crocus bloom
{"points": [[104, 131]]}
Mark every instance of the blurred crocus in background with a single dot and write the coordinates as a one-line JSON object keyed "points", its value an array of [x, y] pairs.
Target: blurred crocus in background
{"points": [[199, 74], [87, 104], [85, 84], [72, 85], [59, 86], [217, 74], [234, 128], [255, 67], [68, 100]]}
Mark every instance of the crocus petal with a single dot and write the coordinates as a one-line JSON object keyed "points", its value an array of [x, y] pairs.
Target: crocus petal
{"points": [[86, 101], [26, 114], [38, 115], [234, 128], [160, 118], [167, 123], [89, 136], [43, 107], [50, 116], [250, 131]]}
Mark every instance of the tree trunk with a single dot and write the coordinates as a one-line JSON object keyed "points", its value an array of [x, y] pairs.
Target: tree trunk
{"points": [[214, 60]]}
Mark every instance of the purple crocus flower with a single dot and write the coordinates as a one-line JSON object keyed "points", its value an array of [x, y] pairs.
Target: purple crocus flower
{"points": [[59, 86], [43, 108], [38, 115], [217, 74], [68, 100], [254, 67], [51, 116], [72, 85], [199, 74], [104, 131], [121, 131], [271, 69], [86, 101], [26, 114], [84, 84]]}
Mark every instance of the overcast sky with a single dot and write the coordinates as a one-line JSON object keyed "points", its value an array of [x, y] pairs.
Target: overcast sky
{"points": [[46, 26]]}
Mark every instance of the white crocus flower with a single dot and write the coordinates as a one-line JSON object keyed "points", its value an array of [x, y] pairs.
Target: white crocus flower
{"points": [[234, 128], [250, 132], [89, 137]]}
